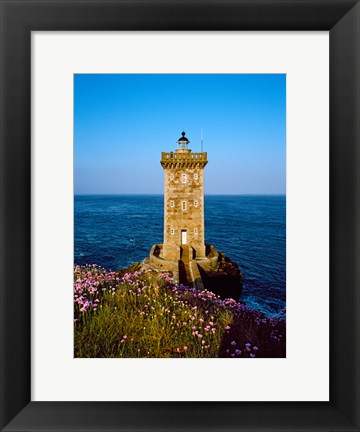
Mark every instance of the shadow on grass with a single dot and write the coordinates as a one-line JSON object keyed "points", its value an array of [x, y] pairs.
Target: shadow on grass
{"points": [[252, 335]]}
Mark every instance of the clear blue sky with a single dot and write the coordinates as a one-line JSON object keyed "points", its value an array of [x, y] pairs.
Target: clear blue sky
{"points": [[122, 123]]}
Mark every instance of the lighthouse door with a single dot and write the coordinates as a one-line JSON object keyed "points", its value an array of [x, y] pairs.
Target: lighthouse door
{"points": [[183, 236]]}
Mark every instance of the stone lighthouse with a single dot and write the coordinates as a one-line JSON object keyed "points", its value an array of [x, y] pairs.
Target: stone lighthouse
{"points": [[183, 251], [184, 233]]}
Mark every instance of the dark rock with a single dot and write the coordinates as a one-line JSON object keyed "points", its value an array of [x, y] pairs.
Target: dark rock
{"points": [[223, 278]]}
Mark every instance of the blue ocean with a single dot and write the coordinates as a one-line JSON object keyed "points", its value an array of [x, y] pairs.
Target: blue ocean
{"points": [[115, 231]]}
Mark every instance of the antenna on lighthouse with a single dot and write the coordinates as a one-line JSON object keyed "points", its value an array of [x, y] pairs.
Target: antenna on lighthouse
{"points": [[202, 140]]}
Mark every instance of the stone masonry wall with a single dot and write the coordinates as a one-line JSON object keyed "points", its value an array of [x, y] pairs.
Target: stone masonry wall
{"points": [[184, 203]]}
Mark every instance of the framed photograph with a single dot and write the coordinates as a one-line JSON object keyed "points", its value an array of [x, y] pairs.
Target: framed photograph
{"points": [[176, 325], [154, 234], [180, 215]]}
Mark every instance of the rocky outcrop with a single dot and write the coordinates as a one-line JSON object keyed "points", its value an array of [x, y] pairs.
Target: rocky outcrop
{"points": [[223, 277], [131, 269], [216, 272]]}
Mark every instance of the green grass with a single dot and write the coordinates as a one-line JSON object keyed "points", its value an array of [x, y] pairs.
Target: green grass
{"points": [[144, 315]]}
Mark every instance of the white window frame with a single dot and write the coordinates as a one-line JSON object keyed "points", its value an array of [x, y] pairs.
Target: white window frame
{"points": [[196, 231], [171, 176], [196, 203], [172, 203], [183, 205], [183, 178], [172, 231], [196, 176]]}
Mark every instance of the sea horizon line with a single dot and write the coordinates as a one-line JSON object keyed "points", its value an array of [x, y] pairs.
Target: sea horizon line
{"points": [[161, 194]]}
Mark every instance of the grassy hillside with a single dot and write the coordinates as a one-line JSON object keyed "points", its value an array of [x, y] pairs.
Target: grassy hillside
{"points": [[146, 315]]}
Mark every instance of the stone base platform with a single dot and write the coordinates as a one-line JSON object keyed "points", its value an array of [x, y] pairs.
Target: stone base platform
{"points": [[215, 272]]}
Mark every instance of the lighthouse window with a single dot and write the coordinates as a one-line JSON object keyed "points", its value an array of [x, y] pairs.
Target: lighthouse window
{"points": [[172, 204], [183, 205], [195, 230], [196, 203], [172, 231], [171, 176], [183, 178], [196, 176]]}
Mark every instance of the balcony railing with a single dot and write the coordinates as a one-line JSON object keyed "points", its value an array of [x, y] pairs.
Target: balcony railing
{"points": [[182, 157]]}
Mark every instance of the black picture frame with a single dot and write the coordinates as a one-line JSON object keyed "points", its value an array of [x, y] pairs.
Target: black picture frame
{"points": [[18, 19]]}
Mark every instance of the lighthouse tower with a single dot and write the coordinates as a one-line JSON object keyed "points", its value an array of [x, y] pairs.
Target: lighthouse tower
{"points": [[183, 202], [183, 252]]}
